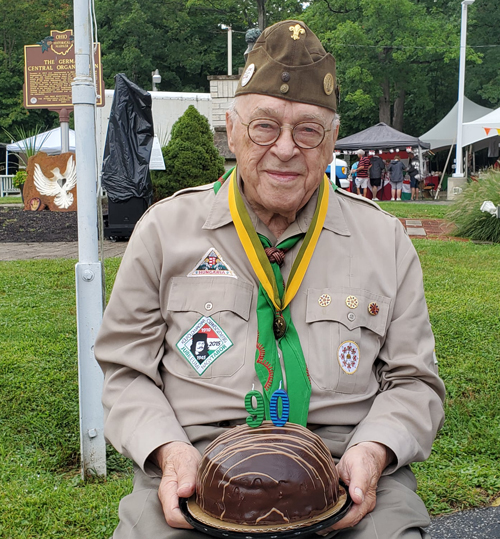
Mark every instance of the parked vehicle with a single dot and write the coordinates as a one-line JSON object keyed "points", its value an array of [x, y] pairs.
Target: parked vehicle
{"points": [[342, 172]]}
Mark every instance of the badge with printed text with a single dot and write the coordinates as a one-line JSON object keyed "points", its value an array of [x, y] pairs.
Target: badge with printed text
{"points": [[348, 356], [203, 344], [249, 71], [212, 265]]}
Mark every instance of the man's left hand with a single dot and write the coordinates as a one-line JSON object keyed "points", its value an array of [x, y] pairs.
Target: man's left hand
{"points": [[360, 469]]}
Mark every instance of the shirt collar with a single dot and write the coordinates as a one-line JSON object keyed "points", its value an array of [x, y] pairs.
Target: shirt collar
{"points": [[220, 215]]}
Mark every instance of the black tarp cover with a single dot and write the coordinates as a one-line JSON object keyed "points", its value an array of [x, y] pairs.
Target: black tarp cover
{"points": [[379, 137], [129, 141]]}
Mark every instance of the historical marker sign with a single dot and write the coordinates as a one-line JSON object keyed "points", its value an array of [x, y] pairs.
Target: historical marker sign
{"points": [[49, 70]]}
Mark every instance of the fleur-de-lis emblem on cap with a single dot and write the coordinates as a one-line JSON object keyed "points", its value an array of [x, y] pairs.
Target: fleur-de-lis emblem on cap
{"points": [[297, 30]]}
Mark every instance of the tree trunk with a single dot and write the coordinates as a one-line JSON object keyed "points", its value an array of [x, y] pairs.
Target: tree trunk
{"points": [[399, 107], [261, 5], [384, 105]]}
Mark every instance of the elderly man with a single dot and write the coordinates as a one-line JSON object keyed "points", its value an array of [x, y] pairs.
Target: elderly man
{"points": [[197, 264]]}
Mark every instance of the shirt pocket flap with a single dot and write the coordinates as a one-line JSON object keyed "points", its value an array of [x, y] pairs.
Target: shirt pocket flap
{"points": [[331, 304], [208, 296]]}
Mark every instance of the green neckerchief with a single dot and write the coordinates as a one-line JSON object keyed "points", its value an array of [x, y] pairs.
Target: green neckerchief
{"points": [[267, 361]]}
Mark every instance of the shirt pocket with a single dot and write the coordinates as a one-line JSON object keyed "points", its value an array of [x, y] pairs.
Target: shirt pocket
{"points": [[227, 302], [331, 323]]}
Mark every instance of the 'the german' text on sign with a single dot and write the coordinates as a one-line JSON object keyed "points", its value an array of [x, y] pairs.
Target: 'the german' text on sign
{"points": [[49, 70]]}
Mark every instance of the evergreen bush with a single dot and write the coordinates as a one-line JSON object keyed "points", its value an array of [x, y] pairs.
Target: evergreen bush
{"points": [[191, 158], [470, 221]]}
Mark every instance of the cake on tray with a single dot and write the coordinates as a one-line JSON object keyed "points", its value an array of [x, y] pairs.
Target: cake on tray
{"points": [[267, 475]]}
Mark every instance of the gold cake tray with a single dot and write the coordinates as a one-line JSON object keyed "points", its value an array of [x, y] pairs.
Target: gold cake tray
{"points": [[228, 530]]}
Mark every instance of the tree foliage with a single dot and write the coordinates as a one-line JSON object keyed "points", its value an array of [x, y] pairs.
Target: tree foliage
{"points": [[393, 59], [397, 60], [190, 156], [25, 22]]}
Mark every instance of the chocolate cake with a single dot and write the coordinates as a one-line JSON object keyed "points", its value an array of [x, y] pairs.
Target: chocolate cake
{"points": [[266, 475]]}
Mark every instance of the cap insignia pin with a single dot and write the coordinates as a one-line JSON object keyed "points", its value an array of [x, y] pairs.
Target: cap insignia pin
{"points": [[245, 79], [296, 31], [328, 84], [284, 88]]}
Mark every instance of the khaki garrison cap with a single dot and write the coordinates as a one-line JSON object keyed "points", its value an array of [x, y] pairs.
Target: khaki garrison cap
{"points": [[289, 62]]}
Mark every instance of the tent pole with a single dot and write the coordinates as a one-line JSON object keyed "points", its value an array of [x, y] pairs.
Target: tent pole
{"points": [[421, 170], [444, 170]]}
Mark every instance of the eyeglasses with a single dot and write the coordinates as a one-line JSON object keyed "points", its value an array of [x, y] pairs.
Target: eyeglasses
{"points": [[265, 132]]}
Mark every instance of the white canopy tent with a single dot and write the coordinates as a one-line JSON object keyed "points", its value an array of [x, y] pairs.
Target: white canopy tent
{"points": [[444, 134], [48, 142], [486, 129]]}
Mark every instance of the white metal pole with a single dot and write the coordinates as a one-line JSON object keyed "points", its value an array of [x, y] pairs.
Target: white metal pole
{"points": [[461, 84], [88, 270], [230, 50]]}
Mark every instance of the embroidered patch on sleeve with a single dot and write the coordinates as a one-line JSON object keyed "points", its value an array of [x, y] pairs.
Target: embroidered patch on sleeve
{"points": [[203, 344], [212, 265]]}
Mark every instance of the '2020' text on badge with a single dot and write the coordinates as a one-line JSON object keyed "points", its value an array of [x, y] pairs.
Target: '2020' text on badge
{"points": [[203, 344]]}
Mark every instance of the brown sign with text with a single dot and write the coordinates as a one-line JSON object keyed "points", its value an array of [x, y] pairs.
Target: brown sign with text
{"points": [[49, 70]]}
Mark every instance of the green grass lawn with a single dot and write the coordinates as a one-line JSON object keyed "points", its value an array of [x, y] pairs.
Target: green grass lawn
{"points": [[11, 200], [41, 493], [415, 210]]}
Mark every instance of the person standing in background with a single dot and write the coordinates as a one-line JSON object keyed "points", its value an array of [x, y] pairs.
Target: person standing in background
{"points": [[376, 170], [413, 171], [363, 172], [354, 178], [396, 169]]}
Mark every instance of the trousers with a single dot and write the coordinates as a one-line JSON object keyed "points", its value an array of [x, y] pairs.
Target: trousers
{"points": [[399, 513]]}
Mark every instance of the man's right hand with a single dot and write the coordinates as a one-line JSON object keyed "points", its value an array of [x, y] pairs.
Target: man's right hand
{"points": [[178, 462]]}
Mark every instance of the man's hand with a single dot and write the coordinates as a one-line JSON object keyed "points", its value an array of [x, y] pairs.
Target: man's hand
{"points": [[178, 462], [360, 469]]}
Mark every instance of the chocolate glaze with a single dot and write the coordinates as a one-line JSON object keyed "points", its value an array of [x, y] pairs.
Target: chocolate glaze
{"points": [[266, 475]]}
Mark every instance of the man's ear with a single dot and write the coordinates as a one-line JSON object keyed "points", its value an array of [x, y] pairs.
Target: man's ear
{"points": [[336, 133], [229, 130]]}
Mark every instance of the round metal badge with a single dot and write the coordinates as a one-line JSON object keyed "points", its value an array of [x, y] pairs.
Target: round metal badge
{"points": [[249, 71], [352, 302], [279, 326], [328, 84], [373, 309], [324, 300], [284, 88]]}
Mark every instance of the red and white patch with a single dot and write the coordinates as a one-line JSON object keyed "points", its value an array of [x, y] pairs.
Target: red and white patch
{"points": [[348, 356]]}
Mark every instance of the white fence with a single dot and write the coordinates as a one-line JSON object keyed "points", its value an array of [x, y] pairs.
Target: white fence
{"points": [[6, 186]]}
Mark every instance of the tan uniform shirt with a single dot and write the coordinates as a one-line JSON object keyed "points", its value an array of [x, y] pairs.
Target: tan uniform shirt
{"points": [[152, 393]]}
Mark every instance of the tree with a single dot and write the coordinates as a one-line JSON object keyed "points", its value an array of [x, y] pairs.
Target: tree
{"points": [[482, 81], [24, 23], [190, 156], [390, 54]]}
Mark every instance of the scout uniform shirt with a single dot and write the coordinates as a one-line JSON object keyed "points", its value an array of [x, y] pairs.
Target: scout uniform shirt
{"points": [[178, 338]]}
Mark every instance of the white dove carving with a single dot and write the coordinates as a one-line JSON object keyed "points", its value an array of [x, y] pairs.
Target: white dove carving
{"points": [[59, 186]]}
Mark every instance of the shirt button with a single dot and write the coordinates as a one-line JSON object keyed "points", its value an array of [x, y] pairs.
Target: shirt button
{"points": [[208, 306], [351, 317]]}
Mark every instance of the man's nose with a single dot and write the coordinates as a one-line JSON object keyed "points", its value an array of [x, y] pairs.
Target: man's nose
{"points": [[285, 146]]}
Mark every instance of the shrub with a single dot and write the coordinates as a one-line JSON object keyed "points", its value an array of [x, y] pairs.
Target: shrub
{"points": [[470, 221], [19, 178], [191, 158]]}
